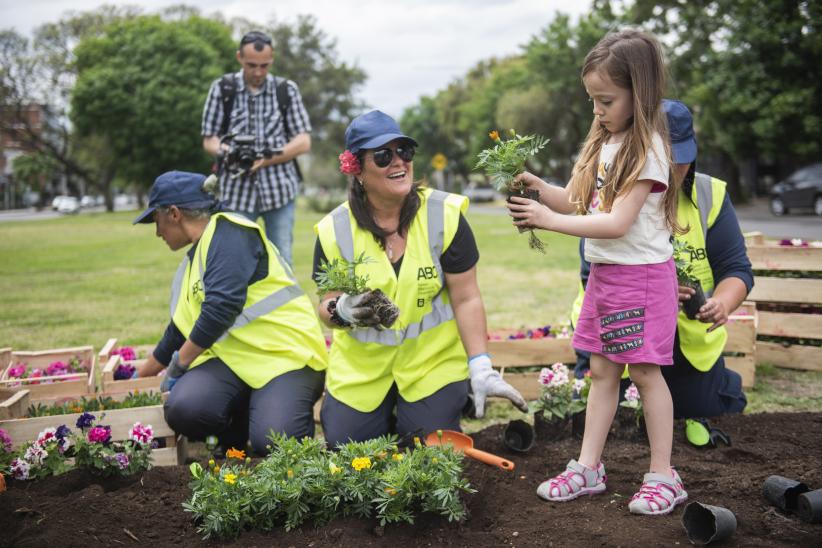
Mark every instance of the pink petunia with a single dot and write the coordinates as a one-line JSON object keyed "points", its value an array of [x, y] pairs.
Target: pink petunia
{"points": [[17, 371], [57, 368], [141, 434], [99, 434]]}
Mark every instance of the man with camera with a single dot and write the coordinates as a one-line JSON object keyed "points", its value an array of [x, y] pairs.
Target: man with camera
{"points": [[255, 125]]}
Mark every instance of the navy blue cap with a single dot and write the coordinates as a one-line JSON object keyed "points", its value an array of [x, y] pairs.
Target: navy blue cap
{"points": [[681, 130], [178, 188], [372, 130]]}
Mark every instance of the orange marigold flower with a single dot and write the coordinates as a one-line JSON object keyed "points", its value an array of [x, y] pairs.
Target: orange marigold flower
{"points": [[494, 135], [235, 454]]}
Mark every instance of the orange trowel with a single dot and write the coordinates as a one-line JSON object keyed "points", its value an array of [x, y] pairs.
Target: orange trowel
{"points": [[465, 444]]}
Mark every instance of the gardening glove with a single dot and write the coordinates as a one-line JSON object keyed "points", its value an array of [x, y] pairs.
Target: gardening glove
{"points": [[174, 371], [485, 381], [352, 310]]}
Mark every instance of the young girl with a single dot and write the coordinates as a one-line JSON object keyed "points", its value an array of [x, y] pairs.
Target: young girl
{"points": [[626, 210]]}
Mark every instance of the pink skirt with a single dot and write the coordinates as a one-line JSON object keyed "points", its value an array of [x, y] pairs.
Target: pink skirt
{"points": [[629, 313]]}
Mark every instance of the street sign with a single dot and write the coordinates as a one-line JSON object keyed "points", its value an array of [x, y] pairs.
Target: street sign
{"points": [[439, 161]]}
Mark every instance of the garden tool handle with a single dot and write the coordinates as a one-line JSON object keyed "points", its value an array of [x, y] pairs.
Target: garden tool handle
{"points": [[488, 458]]}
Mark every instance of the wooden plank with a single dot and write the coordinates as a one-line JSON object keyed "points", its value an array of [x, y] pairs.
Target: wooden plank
{"points": [[166, 456], [754, 238], [13, 403], [741, 334], [745, 366], [120, 420], [780, 257], [530, 352], [790, 324], [111, 387], [526, 383], [5, 360], [105, 352], [786, 290], [796, 356]]}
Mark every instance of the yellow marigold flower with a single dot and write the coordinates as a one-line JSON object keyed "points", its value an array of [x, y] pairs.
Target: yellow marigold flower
{"points": [[417, 441], [360, 463], [290, 473], [235, 454], [397, 456], [230, 479], [391, 491], [216, 469], [381, 455], [494, 135], [333, 468], [434, 460], [211, 463]]}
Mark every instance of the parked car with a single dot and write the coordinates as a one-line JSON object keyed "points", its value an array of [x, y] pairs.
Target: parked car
{"points": [[69, 205], [55, 203], [480, 193], [801, 190]]}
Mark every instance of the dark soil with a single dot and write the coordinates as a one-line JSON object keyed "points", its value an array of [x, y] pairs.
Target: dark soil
{"points": [[691, 306], [76, 510], [387, 311]]}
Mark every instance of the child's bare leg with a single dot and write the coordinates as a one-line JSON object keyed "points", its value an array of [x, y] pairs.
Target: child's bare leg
{"points": [[602, 404], [659, 413]]}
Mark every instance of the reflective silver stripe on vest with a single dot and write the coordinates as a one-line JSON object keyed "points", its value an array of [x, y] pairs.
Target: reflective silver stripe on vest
{"points": [[704, 200], [264, 306], [177, 285], [440, 311]]}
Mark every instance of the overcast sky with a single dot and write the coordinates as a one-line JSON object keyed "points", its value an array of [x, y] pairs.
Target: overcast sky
{"points": [[408, 48]]}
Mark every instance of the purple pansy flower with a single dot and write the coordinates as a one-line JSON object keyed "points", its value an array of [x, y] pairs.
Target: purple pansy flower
{"points": [[85, 420], [124, 371], [122, 460]]}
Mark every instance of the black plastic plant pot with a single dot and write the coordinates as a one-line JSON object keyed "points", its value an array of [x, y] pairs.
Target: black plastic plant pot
{"points": [[692, 305], [705, 523], [518, 436], [548, 430], [809, 506], [783, 492]]}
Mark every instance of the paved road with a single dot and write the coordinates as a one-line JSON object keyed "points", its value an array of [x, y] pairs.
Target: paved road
{"points": [[753, 216]]}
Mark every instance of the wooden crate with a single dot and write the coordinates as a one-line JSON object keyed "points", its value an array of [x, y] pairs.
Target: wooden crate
{"points": [[511, 355], [73, 385], [5, 358], [13, 403], [804, 294], [120, 420], [120, 388]]}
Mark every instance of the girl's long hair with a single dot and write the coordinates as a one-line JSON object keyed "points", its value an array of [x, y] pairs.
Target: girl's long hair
{"points": [[363, 214], [632, 60]]}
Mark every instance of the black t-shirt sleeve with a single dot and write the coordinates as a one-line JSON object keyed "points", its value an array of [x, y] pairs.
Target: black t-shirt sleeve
{"points": [[463, 252]]}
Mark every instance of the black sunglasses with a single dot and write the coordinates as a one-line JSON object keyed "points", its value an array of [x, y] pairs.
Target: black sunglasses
{"points": [[255, 36], [383, 156]]}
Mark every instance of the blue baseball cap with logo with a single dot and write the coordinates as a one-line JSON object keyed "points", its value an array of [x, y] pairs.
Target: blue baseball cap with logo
{"points": [[372, 130], [681, 130], [178, 188]]}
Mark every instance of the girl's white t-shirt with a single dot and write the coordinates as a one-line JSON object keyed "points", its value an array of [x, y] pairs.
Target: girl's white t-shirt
{"points": [[648, 240]]}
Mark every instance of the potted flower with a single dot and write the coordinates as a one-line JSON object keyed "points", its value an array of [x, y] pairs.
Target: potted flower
{"points": [[686, 277], [630, 415], [341, 275], [556, 405], [504, 161]]}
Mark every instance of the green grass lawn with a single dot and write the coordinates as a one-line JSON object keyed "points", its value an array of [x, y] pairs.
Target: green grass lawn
{"points": [[83, 279]]}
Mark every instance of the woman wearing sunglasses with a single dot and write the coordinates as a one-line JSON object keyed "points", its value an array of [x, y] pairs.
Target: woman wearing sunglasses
{"points": [[412, 376]]}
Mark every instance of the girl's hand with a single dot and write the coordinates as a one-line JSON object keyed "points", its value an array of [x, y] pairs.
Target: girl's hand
{"points": [[685, 293], [530, 181], [528, 213]]}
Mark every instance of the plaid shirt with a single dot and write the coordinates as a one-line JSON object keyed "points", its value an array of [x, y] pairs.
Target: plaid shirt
{"points": [[258, 114]]}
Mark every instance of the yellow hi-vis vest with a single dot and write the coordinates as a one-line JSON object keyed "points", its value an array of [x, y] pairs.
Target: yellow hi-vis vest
{"points": [[422, 351], [278, 330], [700, 348]]}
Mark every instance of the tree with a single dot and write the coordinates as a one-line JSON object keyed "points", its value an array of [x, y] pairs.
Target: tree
{"points": [[35, 170], [141, 87]]}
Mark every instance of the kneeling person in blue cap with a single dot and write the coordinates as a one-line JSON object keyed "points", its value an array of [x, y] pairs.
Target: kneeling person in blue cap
{"points": [[244, 342]]}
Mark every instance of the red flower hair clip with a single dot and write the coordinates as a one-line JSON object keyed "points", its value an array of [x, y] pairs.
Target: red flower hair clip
{"points": [[349, 164]]}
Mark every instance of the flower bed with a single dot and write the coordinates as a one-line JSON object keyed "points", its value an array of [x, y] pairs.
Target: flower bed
{"points": [[120, 421], [302, 482], [118, 369], [52, 374]]}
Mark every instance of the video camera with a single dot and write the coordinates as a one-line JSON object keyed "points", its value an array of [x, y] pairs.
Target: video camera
{"points": [[242, 154]]}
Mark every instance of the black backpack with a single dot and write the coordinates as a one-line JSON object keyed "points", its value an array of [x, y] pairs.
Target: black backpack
{"points": [[228, 90]]}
